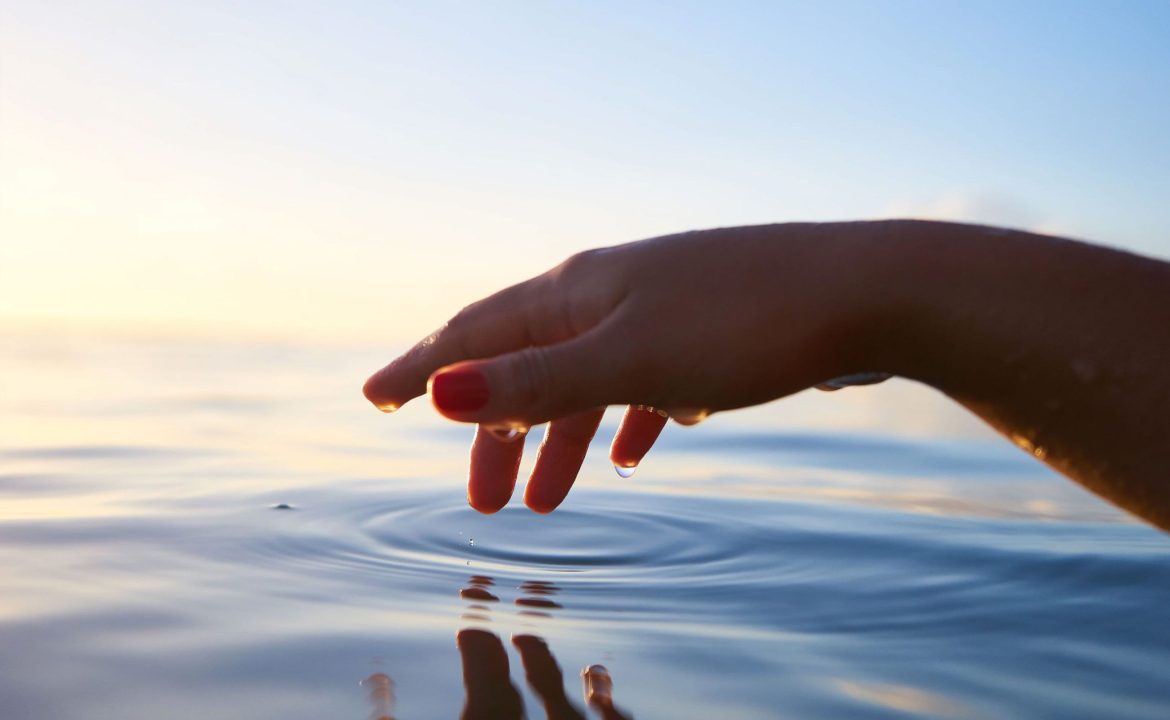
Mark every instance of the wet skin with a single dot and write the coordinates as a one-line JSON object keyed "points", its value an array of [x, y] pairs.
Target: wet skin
{"points": [[1059, 345]]}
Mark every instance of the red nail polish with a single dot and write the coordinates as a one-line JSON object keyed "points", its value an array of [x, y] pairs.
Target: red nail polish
{"points": [[461, 390]]}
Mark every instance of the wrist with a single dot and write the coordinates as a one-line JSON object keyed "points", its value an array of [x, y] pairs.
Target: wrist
{"points": [[891, 278]]}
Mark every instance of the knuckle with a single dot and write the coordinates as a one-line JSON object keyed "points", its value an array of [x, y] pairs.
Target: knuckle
{"points": [[460, 320], [457, 331], [573, 433], [644, 373], [531, 377], [577, 266]]}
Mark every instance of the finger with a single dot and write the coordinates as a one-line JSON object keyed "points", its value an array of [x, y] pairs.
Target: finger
{"points": [[640, 427], [544, 675], [490, 693], [500, 323], [536, 384], [494, 464], [559, 459], [545, 310]]}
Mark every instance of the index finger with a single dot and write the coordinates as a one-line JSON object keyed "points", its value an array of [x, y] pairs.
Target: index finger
{"points": [[500, 323]]}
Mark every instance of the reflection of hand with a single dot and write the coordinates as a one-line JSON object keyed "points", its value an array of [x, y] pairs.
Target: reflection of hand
{"points": [[693, 323], [491, 694]]}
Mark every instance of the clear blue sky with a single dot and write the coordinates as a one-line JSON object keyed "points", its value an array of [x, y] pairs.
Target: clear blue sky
{"points": [[366, 168]]}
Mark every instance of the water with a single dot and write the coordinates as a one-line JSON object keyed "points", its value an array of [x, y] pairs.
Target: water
{"points": [[197, 529]]}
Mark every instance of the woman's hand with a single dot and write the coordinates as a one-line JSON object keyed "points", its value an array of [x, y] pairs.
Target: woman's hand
{"points": [[683, 325], [1061, 346]]}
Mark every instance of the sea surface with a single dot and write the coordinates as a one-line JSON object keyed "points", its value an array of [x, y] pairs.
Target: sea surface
{"points": [[221, 529]]}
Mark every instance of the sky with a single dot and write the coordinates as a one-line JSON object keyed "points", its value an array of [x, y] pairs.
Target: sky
{"points": [[361, 170]]}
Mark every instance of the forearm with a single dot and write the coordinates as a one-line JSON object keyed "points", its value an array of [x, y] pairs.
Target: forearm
{"points": [[1061, 346]]}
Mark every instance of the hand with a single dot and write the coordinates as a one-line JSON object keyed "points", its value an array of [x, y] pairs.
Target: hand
{"points": [[683, 325]]}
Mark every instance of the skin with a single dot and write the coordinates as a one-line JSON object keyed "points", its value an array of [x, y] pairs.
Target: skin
{"points": [[1061, 346]]}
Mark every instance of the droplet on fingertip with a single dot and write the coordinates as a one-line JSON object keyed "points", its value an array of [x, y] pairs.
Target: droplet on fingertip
{"points": [[864, 378], [651, 409], [388, 407], [508, 434], [625, 470], [689, 416]]}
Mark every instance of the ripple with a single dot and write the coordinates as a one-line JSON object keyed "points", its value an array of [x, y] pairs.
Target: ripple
{"points": [[600, 540], [775, 567]]}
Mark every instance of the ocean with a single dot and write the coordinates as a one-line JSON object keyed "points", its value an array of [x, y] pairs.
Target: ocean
{"points": [[194, 528]]}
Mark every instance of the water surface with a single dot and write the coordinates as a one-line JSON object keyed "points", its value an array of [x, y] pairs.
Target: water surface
{"points": [[193, 529]]}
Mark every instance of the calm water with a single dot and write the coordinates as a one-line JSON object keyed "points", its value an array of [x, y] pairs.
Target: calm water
{"points": [[871, 553]]}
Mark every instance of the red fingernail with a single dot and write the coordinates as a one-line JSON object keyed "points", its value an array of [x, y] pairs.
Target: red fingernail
{"points": [[461, 390]]}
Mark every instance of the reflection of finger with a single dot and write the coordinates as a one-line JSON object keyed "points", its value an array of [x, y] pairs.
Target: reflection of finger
{"points": [[477, 593], [640, 427], [544, 675], [494, 465], [599, 692], [559, 460], [490, 693]]}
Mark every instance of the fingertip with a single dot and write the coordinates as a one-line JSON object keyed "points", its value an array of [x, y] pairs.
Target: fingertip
{"points": [[370, 388], [486, 507], [377, 396], [488, 501], [542, 497], [639, 430], [541, 506]]}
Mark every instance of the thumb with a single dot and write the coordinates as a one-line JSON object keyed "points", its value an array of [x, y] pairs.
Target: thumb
{"points": [[529, 386]]}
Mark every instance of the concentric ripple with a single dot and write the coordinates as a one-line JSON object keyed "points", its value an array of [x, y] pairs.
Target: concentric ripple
{"points": [[600, 538], [683, 559]]}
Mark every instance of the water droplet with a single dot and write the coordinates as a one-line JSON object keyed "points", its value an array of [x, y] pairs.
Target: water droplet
{"points": [[625, 471], [1027, 445], [508, 434], [388, 407], [688, 416], [863, 378], [282, 506], [471, 541], [651, 409]]}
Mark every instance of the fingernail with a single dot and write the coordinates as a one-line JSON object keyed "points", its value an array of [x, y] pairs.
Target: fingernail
{"points": [[460, 390]]}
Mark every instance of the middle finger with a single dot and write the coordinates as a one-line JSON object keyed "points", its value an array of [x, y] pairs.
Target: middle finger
{"points": [[559, 460], [494, 464]]}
